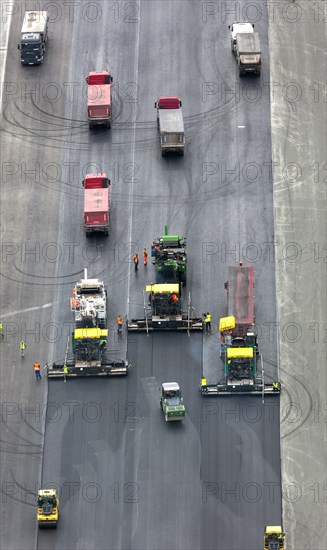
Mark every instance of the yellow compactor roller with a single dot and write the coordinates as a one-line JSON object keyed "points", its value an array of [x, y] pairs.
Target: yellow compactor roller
{"points": [[274, 538], [47, 508]]}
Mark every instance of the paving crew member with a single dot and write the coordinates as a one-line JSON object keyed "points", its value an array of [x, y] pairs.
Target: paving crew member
{"points": [[276, 386], [207, 321], [102, 344], [1, 330], [174, 298], [37, 370], [145, 256], [22, 347], [120, 323], [136, 261], [66, 371]]}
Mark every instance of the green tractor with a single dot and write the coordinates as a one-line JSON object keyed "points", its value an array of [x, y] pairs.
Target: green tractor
{"points": [[171, 402], [169, 257]]}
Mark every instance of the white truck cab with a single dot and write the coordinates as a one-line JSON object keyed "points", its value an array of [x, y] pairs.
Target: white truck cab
{"points": [[239, 28]]}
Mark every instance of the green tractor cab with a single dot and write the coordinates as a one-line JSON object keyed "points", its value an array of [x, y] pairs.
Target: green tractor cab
{"points": [[169, 258], [171, 402]]}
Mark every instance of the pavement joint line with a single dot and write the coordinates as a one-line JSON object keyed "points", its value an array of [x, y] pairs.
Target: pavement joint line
{"points": [[34, 308], [5, 30], [136, 56]]}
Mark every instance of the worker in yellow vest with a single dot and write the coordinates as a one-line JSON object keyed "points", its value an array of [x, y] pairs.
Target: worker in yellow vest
{"points": [[207, 321]]}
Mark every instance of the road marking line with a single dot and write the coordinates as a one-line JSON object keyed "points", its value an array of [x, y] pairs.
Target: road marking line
{"points": [[35, 308], [133, 144]]}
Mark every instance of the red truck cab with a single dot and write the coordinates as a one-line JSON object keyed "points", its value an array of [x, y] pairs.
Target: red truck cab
{"points": [[168, 102], [96, 203], [99, 98]]}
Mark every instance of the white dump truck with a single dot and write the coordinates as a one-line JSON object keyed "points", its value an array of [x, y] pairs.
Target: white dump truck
{"points": [[245, 45], [170, 125]]}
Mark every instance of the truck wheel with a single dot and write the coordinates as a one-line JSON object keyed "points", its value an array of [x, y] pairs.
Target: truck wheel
{"points": [[90, 125], [109, 125], [181, 153], [258, 72], [163, 153], [183, 279]]}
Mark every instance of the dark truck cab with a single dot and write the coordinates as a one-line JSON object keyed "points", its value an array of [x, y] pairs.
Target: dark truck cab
{"points": [[34, 35]]}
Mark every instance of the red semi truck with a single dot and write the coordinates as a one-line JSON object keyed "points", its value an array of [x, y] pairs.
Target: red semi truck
{"points": [[96, 203], [99, 98]]}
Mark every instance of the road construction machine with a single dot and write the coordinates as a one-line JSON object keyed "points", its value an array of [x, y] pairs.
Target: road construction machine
{"points": [[239, 352], [47, 508], [274, 538], [89, 338], [171, 402], [169, 257], [163, 311], [89, 303]]}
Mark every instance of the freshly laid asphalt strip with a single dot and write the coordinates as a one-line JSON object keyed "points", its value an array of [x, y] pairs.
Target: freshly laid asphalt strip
{"points": [[130, 480]]}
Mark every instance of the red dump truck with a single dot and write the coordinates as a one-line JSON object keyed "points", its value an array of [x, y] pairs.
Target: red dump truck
{"points": [[99, 98], [96, 203]]}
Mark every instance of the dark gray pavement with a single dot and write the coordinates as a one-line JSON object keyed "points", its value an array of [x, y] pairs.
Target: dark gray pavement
{"points": [[130, 480], [215, 210], [299, 149]]}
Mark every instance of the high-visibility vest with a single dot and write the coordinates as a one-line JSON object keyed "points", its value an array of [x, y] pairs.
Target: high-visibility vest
{"points": [[136, 258], [208, 318], [120, 320], [22, 345], [37, 366], [66, 371]]}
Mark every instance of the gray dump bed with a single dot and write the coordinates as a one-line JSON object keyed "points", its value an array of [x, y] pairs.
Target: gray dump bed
{"points": [[34, 22], [171, 120], [248, 43]]}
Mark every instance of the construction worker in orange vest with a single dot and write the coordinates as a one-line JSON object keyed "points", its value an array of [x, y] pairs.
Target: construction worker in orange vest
{"points": [[37, 370], [136, 261], [145, 256], [174, 298], [120, 323]]}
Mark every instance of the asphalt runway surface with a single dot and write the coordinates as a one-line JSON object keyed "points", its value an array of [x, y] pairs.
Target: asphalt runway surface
{"points": [[128, 479], [299, 146], [215, 198]]}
